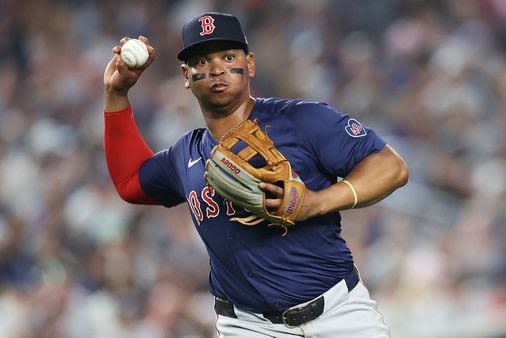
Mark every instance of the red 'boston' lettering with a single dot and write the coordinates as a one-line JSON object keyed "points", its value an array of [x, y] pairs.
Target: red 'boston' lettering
{"points": [[213, 208], [193, 202], [230, 208]]}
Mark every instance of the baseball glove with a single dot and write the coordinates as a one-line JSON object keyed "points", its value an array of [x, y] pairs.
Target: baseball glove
{"points": [[230, 172]]}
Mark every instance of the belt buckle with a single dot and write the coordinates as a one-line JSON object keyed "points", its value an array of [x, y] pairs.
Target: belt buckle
{"points": [[284, 318]]}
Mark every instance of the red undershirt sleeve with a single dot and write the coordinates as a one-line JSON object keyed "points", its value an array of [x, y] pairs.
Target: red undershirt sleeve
{"points": [[125, 151]]}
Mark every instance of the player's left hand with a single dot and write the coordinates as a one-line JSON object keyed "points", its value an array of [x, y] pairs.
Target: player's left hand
{"points": [[275, 198], [234, 178]]}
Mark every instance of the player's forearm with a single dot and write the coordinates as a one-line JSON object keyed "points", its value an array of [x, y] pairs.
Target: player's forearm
{"points": [[115, 101], [125, 151], [373, 179]]}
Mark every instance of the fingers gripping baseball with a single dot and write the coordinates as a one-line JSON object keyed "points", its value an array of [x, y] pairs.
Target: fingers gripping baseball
{"points": [[117, 76]]}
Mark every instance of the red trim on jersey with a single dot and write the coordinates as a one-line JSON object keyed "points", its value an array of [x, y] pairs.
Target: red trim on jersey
{"points": [[125, 151]]}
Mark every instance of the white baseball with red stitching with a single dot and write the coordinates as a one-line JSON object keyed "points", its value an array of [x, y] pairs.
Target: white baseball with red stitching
{"points": [[134, 53]]}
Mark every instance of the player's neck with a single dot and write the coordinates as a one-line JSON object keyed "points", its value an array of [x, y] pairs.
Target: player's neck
{"points": [[219, 124]]}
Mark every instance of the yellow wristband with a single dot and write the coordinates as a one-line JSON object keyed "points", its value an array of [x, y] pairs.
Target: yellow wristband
{"points": [[353, 191]]}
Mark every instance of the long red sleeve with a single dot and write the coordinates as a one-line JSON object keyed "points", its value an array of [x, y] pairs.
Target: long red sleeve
{"points": [[125, 151]]}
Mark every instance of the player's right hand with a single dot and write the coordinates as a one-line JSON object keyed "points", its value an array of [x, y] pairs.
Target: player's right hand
{"points": [[118, 78]]}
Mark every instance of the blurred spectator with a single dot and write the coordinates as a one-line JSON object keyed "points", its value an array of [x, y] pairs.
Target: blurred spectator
{"points": [[76, 261]]}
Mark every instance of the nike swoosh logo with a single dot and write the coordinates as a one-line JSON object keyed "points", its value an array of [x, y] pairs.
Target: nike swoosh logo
{"points": [[192, 163]]}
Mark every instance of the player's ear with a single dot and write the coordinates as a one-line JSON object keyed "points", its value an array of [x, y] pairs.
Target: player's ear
{"points": [[250, 59], [186, 75]]}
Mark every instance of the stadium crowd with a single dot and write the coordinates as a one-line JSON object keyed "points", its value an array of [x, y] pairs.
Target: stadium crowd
{"points": [[430, 76]]}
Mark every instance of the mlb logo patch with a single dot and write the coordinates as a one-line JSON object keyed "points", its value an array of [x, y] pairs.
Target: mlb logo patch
{"points": [[355, 129]]}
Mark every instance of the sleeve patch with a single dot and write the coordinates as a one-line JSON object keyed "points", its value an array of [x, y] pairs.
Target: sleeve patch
{"points": [[355, 129]]}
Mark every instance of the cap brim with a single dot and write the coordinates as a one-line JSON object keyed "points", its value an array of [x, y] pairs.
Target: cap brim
{"points": [[185, 52]]}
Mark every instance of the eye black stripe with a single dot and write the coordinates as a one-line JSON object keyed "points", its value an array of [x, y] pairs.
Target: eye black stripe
{"points": [[197, 77], [237, 71]]}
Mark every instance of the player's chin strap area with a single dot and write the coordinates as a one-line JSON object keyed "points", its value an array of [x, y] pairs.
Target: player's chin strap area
{"points": [[292, 317]]}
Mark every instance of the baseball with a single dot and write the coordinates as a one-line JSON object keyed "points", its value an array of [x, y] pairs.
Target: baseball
{"points": [[134, 53]]}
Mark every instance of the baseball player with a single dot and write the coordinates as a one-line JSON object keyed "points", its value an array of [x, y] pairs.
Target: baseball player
{"points": [[267, 282]]}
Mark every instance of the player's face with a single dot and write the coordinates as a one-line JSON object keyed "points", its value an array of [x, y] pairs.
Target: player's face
{"points": [[219, 76]]}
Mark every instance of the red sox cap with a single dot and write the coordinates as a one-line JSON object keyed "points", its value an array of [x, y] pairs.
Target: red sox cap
{"points": [[211, 26]]}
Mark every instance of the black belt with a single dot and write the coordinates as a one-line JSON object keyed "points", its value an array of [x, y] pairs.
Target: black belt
{"points": [[291, 317]]}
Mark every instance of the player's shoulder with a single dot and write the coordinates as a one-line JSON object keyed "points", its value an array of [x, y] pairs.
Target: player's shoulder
{"points": [[300, 112], [285, 103], [293, 106]]}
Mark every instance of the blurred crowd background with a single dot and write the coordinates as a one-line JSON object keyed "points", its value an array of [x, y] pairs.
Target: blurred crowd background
{"points": [[430, 76]]}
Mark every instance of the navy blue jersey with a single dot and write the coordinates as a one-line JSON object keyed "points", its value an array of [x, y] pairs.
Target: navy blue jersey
{"points": [[255, 267]]}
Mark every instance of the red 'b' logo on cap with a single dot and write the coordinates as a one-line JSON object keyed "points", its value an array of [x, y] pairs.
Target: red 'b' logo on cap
{"points": [[207, 23]]}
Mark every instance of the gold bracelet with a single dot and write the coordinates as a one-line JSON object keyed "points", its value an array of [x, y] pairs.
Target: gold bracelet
{"points": [[353, 191]]}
